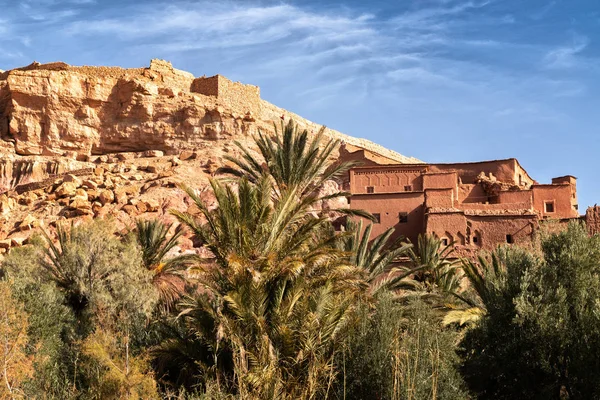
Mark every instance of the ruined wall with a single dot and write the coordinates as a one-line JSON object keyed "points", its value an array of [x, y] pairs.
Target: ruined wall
{"points": [[245, 98], [388, 206], [592, 220], [503, 170]]}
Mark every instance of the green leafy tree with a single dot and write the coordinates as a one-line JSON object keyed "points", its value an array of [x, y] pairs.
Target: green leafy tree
{"points": [[538, 335]]}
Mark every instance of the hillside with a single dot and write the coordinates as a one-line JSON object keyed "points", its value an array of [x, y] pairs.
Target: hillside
{"points": [[84, 142]]}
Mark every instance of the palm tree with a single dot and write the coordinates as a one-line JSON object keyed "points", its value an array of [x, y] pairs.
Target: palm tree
{"points": [[486, 278], [168, 278], [438, 269], [275, 299], [297, 165], [378, 257]]}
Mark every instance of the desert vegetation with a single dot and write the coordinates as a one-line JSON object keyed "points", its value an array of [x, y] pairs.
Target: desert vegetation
{"points": [[285, 306]]}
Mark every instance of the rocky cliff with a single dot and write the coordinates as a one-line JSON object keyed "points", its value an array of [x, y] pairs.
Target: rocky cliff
{"points": [[92, 141]]}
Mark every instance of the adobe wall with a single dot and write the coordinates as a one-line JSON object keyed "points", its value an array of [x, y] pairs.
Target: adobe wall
{"points": [[493, 230], [450, 225], [472, 193], [562, 197], [522, 197], [439, 198], [386, 179], [592, 220], [241, 97], [503, 170], [388, 206]]}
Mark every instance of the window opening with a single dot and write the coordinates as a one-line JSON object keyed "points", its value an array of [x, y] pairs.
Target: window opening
{"points": [[377, 218], [509, 239], [549, 206], [408, 188], [403, 217], [370, 189]]}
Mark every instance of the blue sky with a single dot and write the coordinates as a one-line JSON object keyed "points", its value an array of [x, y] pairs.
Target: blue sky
{"points": [[440, 80]]}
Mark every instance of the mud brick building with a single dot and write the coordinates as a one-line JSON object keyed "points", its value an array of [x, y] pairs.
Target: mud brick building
{"points": [[476, 205]]}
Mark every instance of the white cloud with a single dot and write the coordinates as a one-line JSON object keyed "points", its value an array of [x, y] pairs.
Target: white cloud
{"points": [[567, 56]]}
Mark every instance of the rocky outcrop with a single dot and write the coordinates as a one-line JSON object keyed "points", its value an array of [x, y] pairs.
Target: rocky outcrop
{"points": [[87, 142], [60, 110]]}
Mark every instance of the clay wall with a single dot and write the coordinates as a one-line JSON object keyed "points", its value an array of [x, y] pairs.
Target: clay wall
{"points": [[449, 225], [560, 195], [472, 193], [492, 231], [386, 180], [388, 206], [240, 97], [572, 182], [592, 220], [522, 197], [439, 198], [503, 170]]}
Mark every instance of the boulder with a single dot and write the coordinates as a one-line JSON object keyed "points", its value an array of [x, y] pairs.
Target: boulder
{"points": [[106, 196], [66, 189]]}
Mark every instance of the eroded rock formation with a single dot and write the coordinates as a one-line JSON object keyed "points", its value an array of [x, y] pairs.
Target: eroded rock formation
{"points": [[83, 142]]}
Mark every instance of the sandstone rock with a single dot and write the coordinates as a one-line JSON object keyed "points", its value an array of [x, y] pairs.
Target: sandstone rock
{"points": [[187, 155], [152, 205], [121, 198], [99, 171], [175, 161], [28, 198], [74, 179], [89, 184], [80, 194], [5, 244], [67, 189], [141, 207], [129, 209], [28, 223], [106, 196], [153, 153], [82, 206]]}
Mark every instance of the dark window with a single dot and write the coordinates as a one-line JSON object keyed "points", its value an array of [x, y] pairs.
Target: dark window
{"points": [[475, 239], [549, 206], [408, 188], [509, 239], [576, 206], [520, 180], [377, 218], [403, 217], [370, 189], [445, 241]]}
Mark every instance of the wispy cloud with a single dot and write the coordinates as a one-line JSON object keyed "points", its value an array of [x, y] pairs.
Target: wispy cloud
{"points": [[567, 56]]}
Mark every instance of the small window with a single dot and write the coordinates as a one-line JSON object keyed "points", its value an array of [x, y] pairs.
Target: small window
{"points": [[370, 189], [520, 180], [509, 239], [403, 217], [576, 206], [408, 188], [475, 239], [445, 241], [377, 218], [574, 195], [549, 206]]}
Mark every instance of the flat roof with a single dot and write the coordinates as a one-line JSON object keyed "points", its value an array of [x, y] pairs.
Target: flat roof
{"points": [[425, 165]]}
